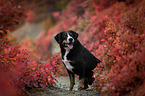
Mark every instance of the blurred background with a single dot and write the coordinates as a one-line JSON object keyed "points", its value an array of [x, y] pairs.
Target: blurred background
{"points": [[33, 32], [113, 30], [45, 18]]}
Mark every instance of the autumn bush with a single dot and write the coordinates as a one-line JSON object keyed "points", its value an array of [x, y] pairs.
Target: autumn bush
{"points": [[19, 69], [114, 32], [30, 16], [11, 14], [122, 69], [22, 70], [103, 4]]}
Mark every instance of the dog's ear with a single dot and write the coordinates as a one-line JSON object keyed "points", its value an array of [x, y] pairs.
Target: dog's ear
{"points": [[75, 35], [58, 37]]}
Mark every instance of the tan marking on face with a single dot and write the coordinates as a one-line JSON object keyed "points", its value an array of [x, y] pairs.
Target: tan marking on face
{"points": [[64, 41]]}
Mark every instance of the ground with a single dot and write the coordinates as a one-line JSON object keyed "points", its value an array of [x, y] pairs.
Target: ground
{"points": [[61, 89]]}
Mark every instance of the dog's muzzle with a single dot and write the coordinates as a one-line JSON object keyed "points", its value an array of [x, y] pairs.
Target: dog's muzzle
{"points": [[68, 43], [70, 40]]}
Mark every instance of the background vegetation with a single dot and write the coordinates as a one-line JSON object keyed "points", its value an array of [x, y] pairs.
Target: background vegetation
{"points": [[113, 30]]}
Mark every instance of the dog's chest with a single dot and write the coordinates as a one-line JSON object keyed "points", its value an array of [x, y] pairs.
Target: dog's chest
{"points": [[67, 62]]}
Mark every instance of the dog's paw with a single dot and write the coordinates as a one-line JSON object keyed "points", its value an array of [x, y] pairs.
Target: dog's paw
{"points": [[70, 89], [89, 88], [82, 88]]}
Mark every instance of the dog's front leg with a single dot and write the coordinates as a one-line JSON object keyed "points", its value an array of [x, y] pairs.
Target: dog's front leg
{"points": [[72, 80]]}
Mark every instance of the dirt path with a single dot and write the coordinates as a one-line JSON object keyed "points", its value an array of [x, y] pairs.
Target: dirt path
{"points": [[31, 30], [61, 89]]}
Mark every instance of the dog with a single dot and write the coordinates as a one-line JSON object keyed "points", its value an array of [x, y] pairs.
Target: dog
{"points": [[77, 59]]}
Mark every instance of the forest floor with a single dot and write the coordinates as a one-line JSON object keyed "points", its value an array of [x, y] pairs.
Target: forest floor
{"points": [[61, 89]]}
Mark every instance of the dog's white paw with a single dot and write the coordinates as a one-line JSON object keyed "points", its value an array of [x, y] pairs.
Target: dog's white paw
{"points": [[67, 89], [89, 88]]}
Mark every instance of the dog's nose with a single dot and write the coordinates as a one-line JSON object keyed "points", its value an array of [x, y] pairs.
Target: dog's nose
{"points": [[70, 39]]}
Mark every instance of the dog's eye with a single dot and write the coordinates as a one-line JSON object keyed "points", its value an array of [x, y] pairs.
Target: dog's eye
{"points": [[65, 35], [71, 34]]}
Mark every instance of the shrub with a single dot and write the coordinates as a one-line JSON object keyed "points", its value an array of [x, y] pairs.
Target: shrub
{"points": [[11, 14], [123, 63], [30, 16], [103, 4], [21, 70], [114, 35]]}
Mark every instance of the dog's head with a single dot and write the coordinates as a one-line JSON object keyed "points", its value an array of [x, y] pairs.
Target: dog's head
{"points": [[66, 39]]}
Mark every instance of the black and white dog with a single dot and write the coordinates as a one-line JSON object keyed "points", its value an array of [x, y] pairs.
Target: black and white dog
{"points": [[77, 59]]}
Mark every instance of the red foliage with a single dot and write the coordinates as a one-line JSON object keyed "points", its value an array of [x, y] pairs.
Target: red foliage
{"points": [[21, 70], [10, 15], [123, 62], [56, 16], [30, 16], [114, 35], [72, 9], [43, 46], [102, 4]]}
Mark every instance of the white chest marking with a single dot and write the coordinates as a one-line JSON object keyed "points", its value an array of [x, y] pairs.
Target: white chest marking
{"points": [[67, 62]]}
